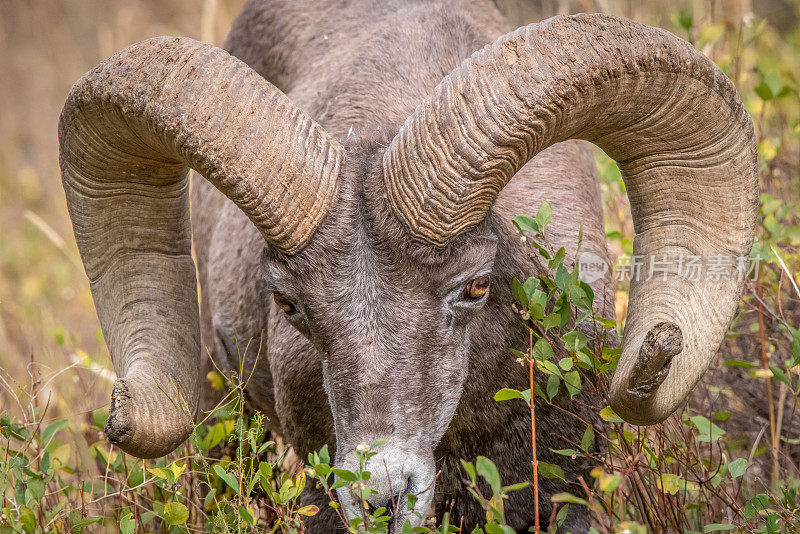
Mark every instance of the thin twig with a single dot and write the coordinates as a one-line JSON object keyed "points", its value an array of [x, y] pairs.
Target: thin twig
{"points": [[534, 461]]}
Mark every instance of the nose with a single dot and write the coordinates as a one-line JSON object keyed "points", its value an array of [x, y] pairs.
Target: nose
{"points": [[395, 473]]}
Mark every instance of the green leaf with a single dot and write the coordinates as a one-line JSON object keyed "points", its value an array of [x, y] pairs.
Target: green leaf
{"points": [[215, 435], [525, 224], [566, 363], [565, 452], [308, 510], [36, 487], [574, 341], [778, 373], [100, 417], [585, 360], [28, 519], [562, 277], [46, 462], [126, 524], [83, 522], [751, 507], [536, 305], [605, 322], [229, 478], [588, 293], [795, 349], [588, 438], [176, 470], [146, 517], [543, 216], [175, 513], [577, 295], [572, 380], [530, 285], [543, 251], [737, 467], [324, 456], [469, 468], [486, 468], [708, 431], [550, 471], [550, 368], [671, 483], [685, 20], [340, 483], [764, 91], [265, 472], [739, 363], [508, 394], [518, 292], [717, 527], [608, 482], [160, 472], [542, 351], [551, 321], [552, 386], [784, 90], [51, 430], [609, 415], [515, 487], [558, 259], [245, 514], [568, 497], [346, 475], [562, 514]]}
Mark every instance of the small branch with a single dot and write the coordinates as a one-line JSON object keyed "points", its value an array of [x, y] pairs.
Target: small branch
{"points": [[771, 403], [534, 461]]}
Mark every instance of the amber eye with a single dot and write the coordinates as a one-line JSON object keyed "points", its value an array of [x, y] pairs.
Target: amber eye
{"points": [[283, 303], [476, 288]]}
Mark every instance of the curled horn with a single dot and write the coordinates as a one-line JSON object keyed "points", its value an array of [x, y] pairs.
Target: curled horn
{"points": [[670, 118], [130, 129]]}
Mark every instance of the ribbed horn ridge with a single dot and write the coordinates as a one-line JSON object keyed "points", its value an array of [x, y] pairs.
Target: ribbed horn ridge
{"points": [[130, 129], [675, 125]]}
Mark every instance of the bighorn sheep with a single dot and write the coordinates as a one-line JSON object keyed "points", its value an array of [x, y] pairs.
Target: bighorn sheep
{"points": [[364, 174]]}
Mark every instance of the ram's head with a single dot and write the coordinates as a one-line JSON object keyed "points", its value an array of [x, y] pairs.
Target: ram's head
{"points": [[134, 125]]}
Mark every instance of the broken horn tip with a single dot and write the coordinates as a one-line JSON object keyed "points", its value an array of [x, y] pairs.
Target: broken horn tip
{"points": [[667, 336]]}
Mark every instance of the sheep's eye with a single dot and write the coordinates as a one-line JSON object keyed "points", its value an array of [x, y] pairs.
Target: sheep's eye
{"points": [[285, 304], [476, 288]]}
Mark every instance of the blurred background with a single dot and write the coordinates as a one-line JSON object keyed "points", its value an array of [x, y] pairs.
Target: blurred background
{"points": [[50, 345]]}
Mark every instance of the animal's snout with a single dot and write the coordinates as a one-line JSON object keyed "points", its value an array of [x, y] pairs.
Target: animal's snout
{"points": [[395, 473]]}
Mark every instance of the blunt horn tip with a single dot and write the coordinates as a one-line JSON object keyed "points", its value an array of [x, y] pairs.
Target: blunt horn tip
{"points": [[118, 428], [661, 344], [143, 424]]}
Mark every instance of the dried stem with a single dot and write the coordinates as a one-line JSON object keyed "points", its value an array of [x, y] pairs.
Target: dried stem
{"points": [[534, 461], [773, 431]]}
